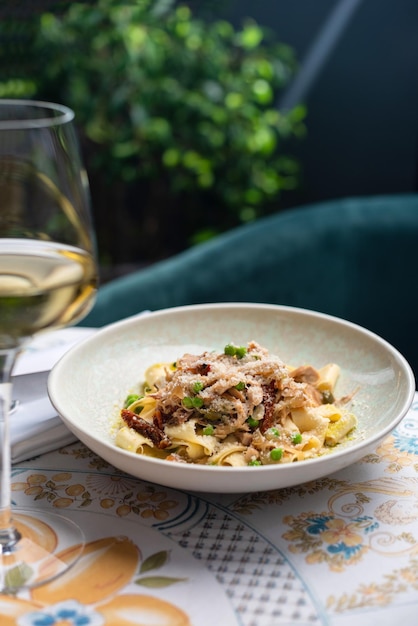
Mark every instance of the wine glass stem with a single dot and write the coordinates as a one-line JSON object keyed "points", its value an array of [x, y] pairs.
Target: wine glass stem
{"points": [[8, 534]]}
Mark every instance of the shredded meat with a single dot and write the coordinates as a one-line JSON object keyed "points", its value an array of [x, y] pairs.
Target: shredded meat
{"points": [[241, 402], [153, 432], [305, 374], [231, 390], [269, 401], [240, 406]]}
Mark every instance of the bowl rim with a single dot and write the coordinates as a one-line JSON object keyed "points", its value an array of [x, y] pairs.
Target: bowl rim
{"points": [[180, 468]]}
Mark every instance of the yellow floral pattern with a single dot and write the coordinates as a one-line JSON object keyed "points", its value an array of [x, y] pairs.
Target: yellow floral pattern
{"points": [[395, 457], [325, 538], [400, 449], [119, 493], [356, 530], [92, 591], [358, 522], [378, 594]]}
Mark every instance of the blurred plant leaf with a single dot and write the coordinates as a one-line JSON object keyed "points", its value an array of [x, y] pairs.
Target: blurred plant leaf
{"points": [[176, 113]]}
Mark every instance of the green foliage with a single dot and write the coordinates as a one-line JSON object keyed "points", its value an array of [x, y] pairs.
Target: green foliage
{"points": [[178, 116]]}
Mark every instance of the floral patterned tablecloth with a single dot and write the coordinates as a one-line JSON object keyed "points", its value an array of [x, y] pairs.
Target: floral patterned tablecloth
{"points": [[338, 551]]}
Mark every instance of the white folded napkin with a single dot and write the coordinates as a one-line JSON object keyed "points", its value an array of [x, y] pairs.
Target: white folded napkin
{"points": [[35, 427]]}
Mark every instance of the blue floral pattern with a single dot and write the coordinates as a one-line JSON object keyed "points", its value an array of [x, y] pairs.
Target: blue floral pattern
{"points": [[70, 612]]}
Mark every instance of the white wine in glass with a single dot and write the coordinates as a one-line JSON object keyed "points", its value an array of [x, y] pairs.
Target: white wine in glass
{"points": [[48, 279]]}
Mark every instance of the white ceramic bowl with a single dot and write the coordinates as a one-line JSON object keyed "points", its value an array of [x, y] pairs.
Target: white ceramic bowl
{"points": [[89, 384]]}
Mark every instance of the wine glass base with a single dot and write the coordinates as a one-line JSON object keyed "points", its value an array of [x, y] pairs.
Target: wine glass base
{"points": [[49, 545]]}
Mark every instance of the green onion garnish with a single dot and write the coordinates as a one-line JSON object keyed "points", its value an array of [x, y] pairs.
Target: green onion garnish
{"points": [[240, 386]]}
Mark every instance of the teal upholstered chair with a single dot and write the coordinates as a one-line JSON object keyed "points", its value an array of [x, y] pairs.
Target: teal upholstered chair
{"points": [[354, 258]]}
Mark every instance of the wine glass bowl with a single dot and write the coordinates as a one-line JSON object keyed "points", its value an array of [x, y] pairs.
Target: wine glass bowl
{"points": [[48, 275], [48, 270]]}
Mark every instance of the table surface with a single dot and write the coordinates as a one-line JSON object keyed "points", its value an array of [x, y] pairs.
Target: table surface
{"points": [[337, 551]]}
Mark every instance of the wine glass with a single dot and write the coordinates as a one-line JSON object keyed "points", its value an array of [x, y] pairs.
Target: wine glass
{"points": [[48, 279]]}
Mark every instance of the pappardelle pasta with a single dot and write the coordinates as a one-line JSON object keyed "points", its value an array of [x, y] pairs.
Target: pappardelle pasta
{"points": [[241, 407]]}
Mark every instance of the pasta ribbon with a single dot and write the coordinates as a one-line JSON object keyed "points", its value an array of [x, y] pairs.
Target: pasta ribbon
{"points": [[156, 376], [129, 439], [184, 435], [311, 419], [329, 411], [328, 376], [337, 431], [145, 407], [226, 455], [234, 459]]}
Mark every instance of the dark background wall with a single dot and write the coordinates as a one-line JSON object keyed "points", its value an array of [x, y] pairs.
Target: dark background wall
{"points": [[362, 123]]}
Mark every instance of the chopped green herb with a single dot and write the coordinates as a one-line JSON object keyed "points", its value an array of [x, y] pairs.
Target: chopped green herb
{"points": [[296, 438], [208, 430], [276, 454], [197, 386], [240, 386]]}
